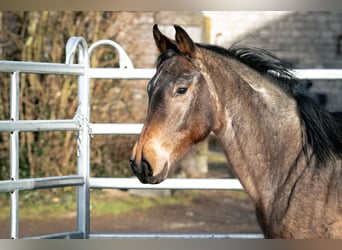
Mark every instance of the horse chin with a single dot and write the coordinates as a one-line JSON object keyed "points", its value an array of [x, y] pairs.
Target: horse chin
{"points": [[152, 179]]}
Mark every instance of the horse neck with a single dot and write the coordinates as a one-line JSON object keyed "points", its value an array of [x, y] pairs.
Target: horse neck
{"points": [[259, 128]]}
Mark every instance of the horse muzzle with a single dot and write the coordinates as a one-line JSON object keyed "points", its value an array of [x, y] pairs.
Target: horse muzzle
{"points": [[145, 172]]}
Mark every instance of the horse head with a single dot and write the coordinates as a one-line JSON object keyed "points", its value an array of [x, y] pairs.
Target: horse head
{"points": [[179, 114]]}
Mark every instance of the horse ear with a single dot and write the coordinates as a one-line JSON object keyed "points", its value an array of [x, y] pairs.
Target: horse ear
{"points": [[163, 43], [184, 43]]}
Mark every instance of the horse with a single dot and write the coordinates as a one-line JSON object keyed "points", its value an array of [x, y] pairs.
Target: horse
{"points": [[285, 149]]}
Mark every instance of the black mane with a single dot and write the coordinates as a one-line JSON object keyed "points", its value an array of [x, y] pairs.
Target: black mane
{"points": [[261, 60]]}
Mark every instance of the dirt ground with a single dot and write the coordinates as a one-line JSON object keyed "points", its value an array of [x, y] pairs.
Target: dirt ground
{"points": [[209, 212]]}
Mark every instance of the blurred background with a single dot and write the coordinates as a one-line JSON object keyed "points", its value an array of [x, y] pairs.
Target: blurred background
{"points": [[304, 39]]}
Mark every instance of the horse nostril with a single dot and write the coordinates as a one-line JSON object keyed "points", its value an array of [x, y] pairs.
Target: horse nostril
{"points": [[142, 170], [146, 168]]}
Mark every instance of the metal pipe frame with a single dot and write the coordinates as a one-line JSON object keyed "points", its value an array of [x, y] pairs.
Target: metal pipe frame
{"points": [[174, 236], [83, 114], [38, 125], [171, 183], [41, 68], [41, 183], [14, 154]]}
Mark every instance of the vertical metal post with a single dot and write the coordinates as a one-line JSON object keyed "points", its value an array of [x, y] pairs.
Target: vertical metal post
{"points": [[84, 157], [83, 115], [14, 153]]}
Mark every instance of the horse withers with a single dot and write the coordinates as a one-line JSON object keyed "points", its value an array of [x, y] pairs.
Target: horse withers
{"points": [[284, 148]]}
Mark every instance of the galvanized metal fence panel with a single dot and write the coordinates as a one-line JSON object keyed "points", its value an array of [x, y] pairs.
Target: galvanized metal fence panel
{"points": [[81, 123]]}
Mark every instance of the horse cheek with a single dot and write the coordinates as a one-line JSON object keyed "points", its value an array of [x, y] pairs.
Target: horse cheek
{"points": [[201, 126]]}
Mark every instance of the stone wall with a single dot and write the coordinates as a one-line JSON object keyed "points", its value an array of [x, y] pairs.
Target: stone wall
{"points": [[309, 40], [305, 39], [137, 38]]}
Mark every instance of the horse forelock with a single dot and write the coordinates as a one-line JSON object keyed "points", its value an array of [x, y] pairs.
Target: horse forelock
{"points": [[165, 55]]}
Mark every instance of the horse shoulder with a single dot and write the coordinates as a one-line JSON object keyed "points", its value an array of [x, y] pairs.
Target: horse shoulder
{"points": [[313, 208]]}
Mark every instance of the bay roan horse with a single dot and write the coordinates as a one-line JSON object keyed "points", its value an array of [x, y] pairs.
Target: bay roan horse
{"points": [[285, 149]]}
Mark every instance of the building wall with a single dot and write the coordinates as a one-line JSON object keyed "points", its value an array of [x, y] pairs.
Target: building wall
{"points": [[305, 39], [137, 38]]}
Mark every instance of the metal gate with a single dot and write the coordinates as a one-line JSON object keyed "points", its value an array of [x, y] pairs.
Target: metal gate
{"points": [[85, 128]]}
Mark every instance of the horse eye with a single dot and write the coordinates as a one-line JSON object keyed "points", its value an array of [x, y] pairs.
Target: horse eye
{"points": [[181, 91]]}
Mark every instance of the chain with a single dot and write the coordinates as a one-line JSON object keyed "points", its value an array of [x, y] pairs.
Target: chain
{"points": [[82, 120]]}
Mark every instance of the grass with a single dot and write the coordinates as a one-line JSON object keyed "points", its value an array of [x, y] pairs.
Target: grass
{"points": [[136, 203], [37, 211], [100, 204], [59, 203]]}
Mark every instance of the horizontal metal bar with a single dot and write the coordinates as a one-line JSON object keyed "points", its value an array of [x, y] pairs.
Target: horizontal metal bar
{"points": [[42, 68], [174, 236], [41, 183], [323, 74], [116, 128], [66, 235], [139, 73], [39, 125], [117, 73], [171, 183]]}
